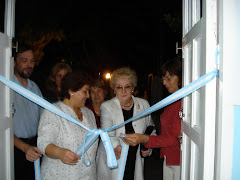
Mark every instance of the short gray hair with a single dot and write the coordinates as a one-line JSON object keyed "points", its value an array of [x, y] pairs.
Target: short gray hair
{"points": [[124, 71]]}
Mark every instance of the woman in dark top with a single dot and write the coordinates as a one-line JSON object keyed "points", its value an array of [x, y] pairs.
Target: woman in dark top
{"points": [[53, 82]]}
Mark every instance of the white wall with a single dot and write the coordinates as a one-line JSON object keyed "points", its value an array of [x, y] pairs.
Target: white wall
{"points": [[229, 86]]}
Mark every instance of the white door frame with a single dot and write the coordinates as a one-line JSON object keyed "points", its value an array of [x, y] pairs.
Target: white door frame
{"points": [[227, 140], [6, 107], [9, 24], [227, 121], [198, 125]]}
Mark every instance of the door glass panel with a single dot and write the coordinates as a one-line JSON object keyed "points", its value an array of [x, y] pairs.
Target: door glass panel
{"points": [[187, 79], [2, 12], [186, 151], [194, 161], [196, 9], [5, 155], [196, 96]]}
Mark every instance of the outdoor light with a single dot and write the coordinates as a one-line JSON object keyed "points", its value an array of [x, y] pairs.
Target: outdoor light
{"points": [[108, 76]]}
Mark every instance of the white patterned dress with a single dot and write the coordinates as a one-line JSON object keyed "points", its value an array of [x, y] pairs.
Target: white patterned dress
{"points": [[54, 129]]}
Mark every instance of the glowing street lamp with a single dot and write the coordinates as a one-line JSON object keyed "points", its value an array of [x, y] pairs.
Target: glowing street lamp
{"points": [[108, 76]]}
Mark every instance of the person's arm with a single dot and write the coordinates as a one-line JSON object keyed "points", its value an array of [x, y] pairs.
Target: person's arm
{"points": [[164, 140], [135, 139], [65, 155], [48, 132], [170, 128], [32, 153], [149, 123], [107, 122], [146, 153]]}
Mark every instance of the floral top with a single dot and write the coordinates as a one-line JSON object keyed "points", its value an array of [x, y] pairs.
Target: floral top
{"points": [[54, 129]]}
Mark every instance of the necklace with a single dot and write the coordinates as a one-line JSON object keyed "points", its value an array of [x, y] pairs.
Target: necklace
{"points": [[97, 112], [128, 105]]}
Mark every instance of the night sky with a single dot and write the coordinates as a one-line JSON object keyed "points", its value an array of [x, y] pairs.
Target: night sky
{"points": [[101, 35]]}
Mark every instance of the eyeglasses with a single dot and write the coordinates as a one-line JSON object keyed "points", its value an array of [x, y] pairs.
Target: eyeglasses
{"points": [[167, 78], [121, 88]]}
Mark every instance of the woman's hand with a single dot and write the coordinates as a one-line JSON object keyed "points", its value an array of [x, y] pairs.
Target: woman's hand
{"points": [[68, 157], [145, 153], [65, 155], [32, 153], [180, 138], [135, 139], [117, 151]]}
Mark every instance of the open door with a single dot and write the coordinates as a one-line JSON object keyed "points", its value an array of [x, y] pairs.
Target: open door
{"points": [[199, 108], [6, 107]]}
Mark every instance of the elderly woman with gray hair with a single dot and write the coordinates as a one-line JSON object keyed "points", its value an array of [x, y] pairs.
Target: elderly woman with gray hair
{"points": [[115, 111], [168, 140]]}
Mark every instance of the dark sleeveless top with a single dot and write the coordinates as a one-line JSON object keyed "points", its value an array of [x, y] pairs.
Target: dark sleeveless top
{"points": [[131, 158]]}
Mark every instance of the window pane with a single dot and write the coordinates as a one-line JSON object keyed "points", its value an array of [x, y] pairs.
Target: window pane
{"points": [[2, 12]]}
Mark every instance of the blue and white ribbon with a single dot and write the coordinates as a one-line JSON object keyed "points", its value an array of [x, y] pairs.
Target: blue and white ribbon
{"points": [[122, 162], [90, 139], [38, 100], [37, 169], [195, 85], [91, 136], [94, 133], [111, 158]]}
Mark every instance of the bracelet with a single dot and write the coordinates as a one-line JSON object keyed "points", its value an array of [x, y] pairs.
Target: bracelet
{"points": [[146, 140]]}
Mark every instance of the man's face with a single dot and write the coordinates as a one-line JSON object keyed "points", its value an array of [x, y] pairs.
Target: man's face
{"points": [[24, 64]]}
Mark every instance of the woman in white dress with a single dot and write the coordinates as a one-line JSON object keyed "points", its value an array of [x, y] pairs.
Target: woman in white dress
{"points": [[58, 138]]}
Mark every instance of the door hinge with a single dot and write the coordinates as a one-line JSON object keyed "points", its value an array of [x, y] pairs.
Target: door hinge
{"points": [[181, 114], [13, 110]]}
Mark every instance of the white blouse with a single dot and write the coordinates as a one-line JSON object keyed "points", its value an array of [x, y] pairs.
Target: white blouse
{"points": [[54, 129]]}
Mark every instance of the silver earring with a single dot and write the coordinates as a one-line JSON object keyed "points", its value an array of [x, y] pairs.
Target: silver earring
{"points": [[71, 94]]}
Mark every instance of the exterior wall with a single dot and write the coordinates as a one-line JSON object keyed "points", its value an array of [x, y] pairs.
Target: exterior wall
{"points": [[227, 138]]}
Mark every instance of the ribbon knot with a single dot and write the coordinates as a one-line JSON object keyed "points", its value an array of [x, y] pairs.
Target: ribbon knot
{"points": [[90, 139]]}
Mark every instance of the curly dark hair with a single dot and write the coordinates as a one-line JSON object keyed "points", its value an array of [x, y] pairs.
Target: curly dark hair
{"points": [[73, 81], [174, 67], [21, 49]]}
